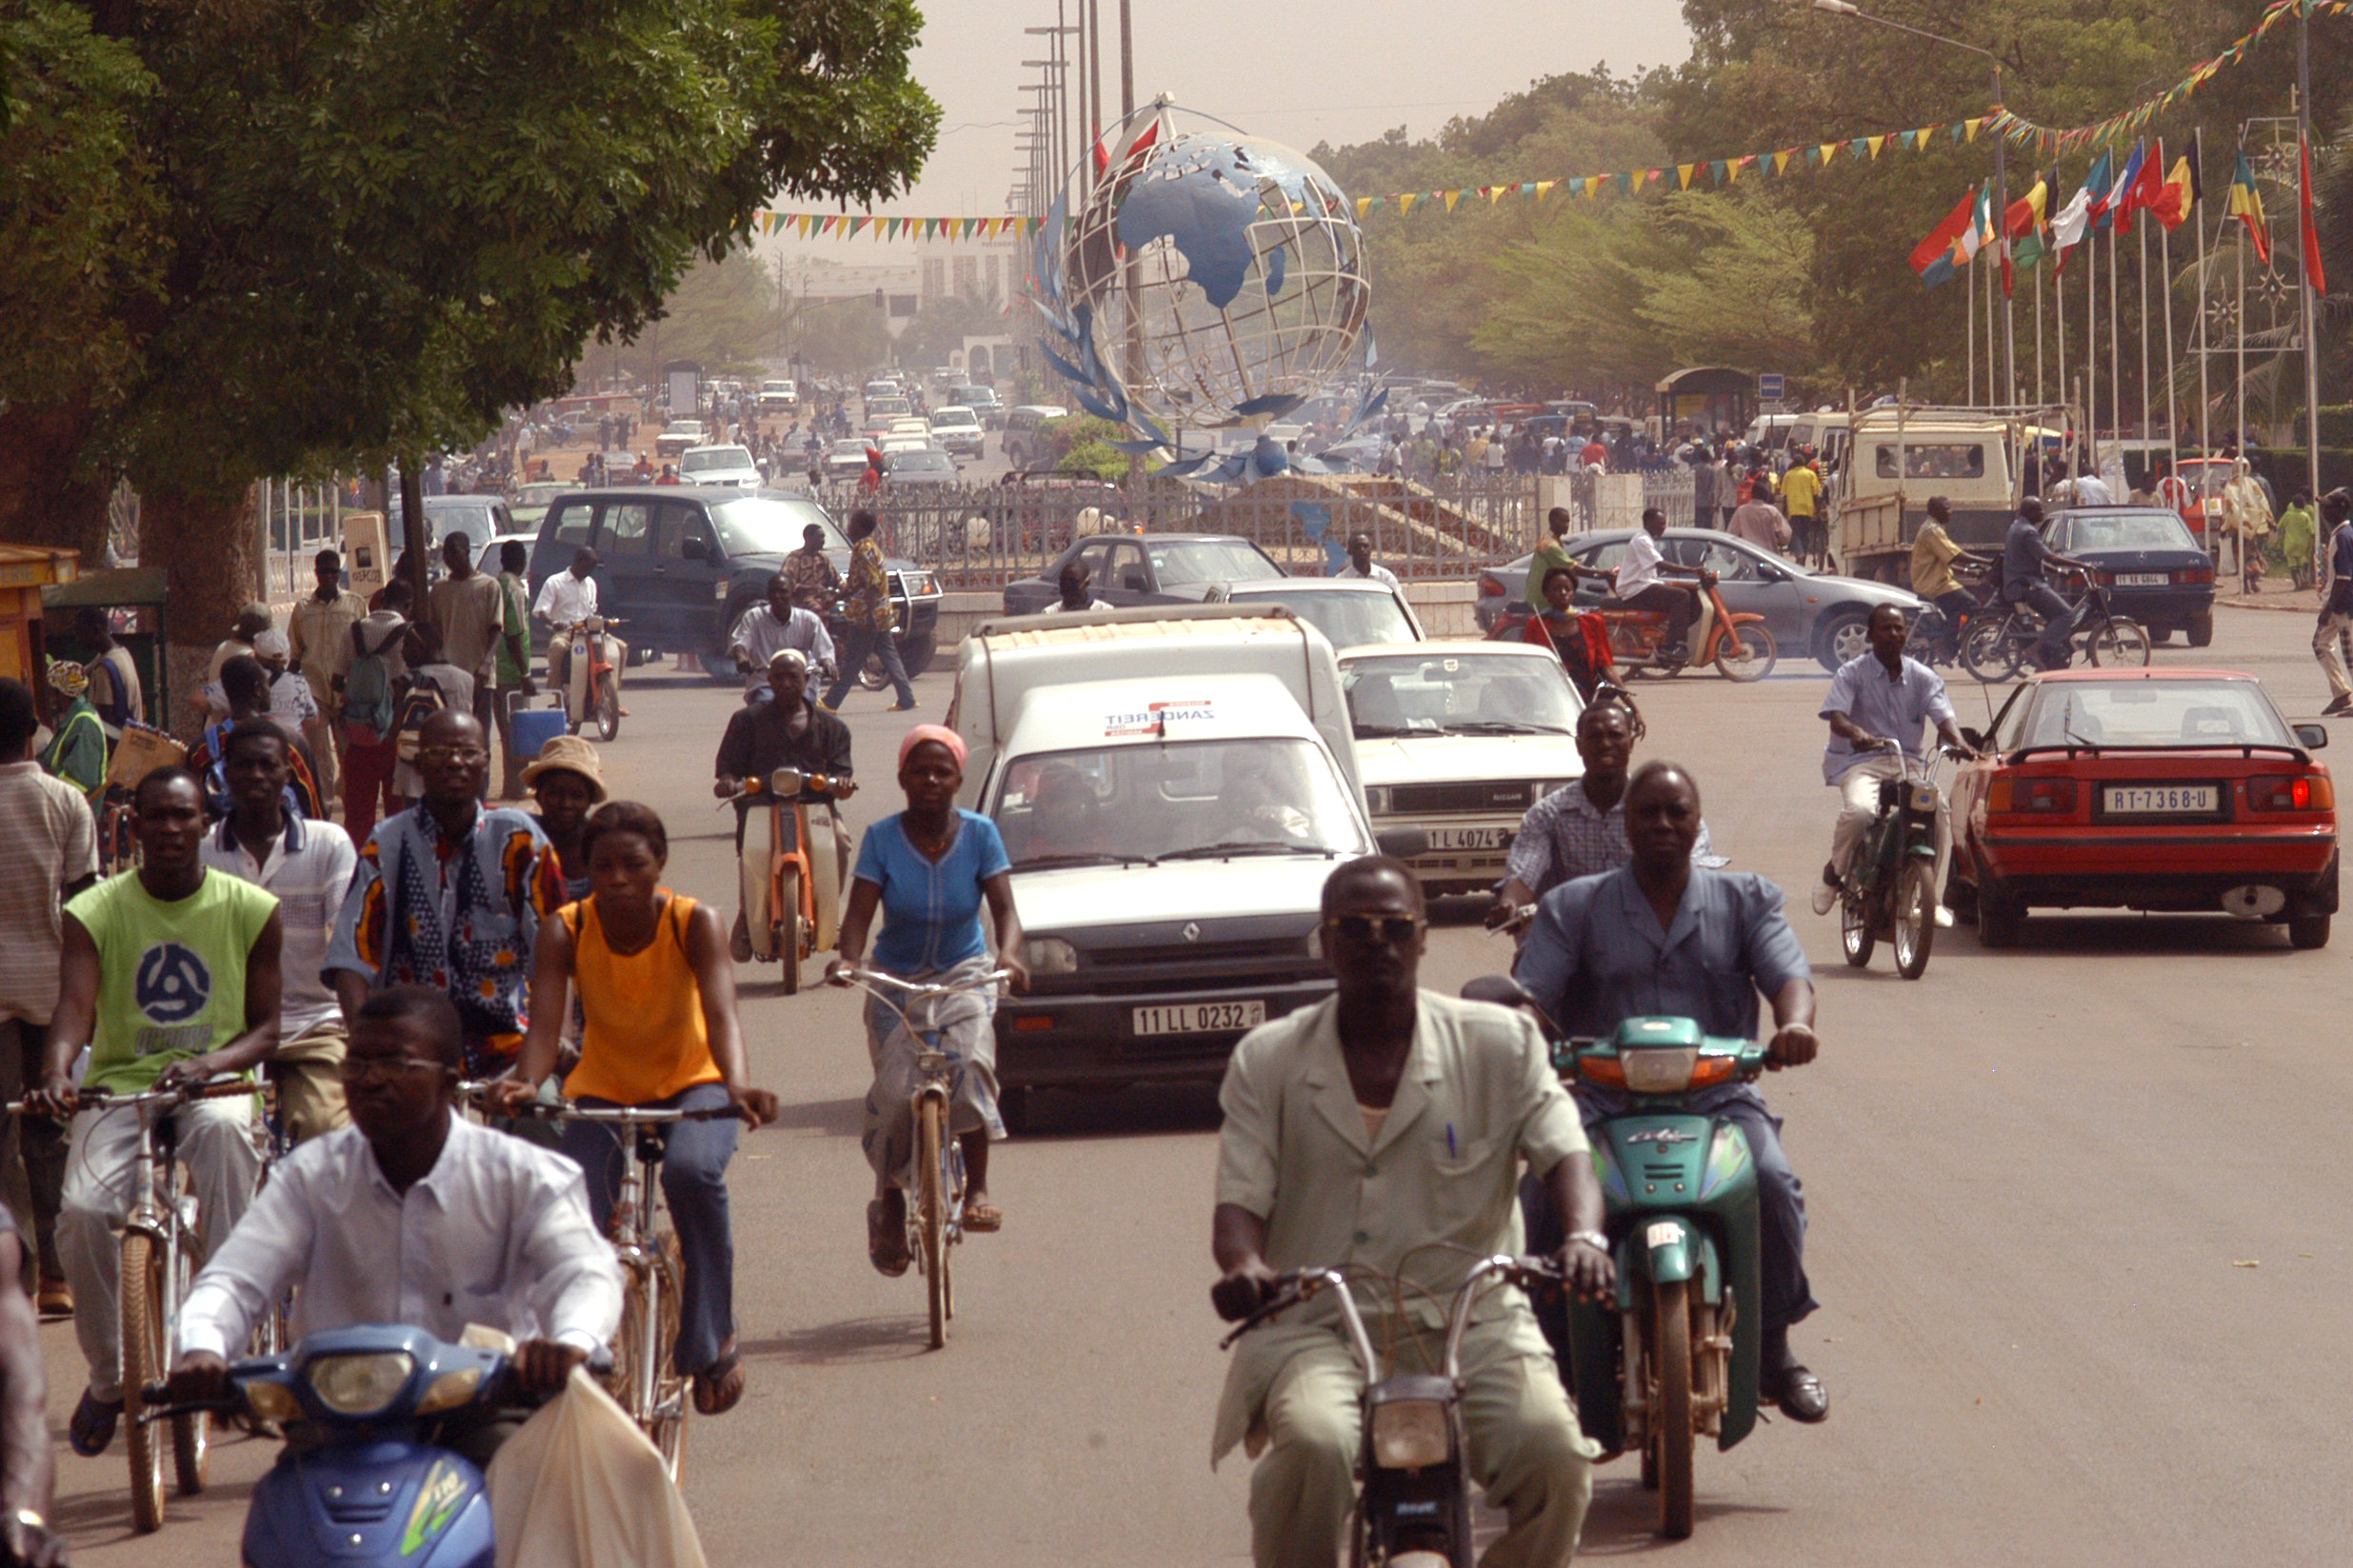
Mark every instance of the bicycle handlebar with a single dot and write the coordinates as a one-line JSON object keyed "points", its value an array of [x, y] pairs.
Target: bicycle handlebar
{"points": [[850, 973], [106, 1099], [568, 1110]]}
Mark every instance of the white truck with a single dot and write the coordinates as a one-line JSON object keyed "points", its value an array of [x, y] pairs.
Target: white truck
{"points": [[1896, 458], [1174, 785]]}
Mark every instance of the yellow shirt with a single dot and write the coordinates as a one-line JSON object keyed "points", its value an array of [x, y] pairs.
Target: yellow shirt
{"points": [[1933, 554], [1799, 488], [645, 1039]]}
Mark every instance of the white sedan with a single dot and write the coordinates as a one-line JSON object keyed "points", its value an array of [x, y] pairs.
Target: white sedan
{"points": [[1458, 739]]}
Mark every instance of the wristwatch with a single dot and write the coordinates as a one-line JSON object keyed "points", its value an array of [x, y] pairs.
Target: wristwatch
{"points": [[1593, 1238]]}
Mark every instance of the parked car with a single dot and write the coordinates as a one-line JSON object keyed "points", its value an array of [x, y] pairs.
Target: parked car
{"points": [[1153, 568], [983, 401], [681, 562], [479, 517], [2160, 788], [676, 437], [1349, 611], [2154, 570], [924, 464], [1023, 445], [719, 465], [1458, 740], [958, 431], [1825, 615]]}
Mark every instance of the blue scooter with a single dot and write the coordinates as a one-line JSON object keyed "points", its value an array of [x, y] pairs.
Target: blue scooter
{"points": [[363, 1487]]}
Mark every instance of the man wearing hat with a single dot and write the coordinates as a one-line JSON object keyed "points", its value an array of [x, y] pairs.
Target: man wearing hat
{"points": [[788, 731], [566, 782]]}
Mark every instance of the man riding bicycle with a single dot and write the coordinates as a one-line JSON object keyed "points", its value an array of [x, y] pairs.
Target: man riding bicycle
{"points": [[2024, 556]]}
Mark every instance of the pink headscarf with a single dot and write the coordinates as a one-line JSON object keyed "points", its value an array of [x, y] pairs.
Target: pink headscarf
{"points": [[940, 733]]}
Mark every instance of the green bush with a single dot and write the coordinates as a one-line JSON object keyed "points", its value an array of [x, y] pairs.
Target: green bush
{"points": [[1095, 459], [1061, 436]]}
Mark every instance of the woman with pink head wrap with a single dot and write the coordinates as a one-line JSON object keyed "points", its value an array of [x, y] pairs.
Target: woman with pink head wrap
{"points": [[931, 871]]}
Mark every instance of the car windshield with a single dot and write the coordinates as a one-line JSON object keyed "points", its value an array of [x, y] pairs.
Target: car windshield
{"points": [[1458, 694], [1346, 619], [2153, 713], [2129, 531], [473, 522], [948, 417], [923, 462], [713, 460], [1211, 561], [850, 448], [1184, 799], [769, 525]]}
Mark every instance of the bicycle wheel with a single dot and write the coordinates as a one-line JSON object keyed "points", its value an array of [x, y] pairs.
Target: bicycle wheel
{"points": [[1989, 651], [932, 1210], [143, 1363], [671, 1402], [2120, 643], [192, 1432], [1746, 653]]}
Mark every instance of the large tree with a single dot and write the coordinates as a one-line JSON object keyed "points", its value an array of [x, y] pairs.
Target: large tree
{"points": [[382, 221]]}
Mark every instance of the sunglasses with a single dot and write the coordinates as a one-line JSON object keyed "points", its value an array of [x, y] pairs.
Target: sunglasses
{"points": [[1387, 929]]}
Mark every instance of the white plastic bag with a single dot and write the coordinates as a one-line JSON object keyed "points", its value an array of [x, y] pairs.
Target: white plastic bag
{"points": [[580, 1486]]}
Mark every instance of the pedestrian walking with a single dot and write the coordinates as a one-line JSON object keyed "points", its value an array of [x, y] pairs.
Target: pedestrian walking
{"points": [[469, 611], [872, 618], [2336, 601], [318, 637]]}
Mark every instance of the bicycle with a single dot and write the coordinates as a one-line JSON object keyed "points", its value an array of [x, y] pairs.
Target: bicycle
{"points": [[935, 1210], [1996, 649], [159, 1242]]}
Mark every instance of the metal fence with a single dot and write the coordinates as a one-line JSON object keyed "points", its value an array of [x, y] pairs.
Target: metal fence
{"points": [[292, 523], [984, 536]]}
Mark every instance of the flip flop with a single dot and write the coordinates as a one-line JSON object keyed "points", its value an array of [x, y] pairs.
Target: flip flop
{"points": [[886, 1244], [982, 1219], [713, 1393], [92, 1427]]}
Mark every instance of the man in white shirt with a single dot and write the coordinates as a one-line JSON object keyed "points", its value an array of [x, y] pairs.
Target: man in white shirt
{"points": [[308, 865], [1642, 581], [1361, 564], [2091, 489], [765, 630], [567, 597], [411, 1215]]}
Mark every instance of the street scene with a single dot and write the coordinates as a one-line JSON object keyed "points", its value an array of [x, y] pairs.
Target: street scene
{"points": [[1196, 860]]}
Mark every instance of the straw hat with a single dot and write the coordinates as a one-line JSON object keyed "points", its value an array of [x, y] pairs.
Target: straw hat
{"points": [[567, 754]]}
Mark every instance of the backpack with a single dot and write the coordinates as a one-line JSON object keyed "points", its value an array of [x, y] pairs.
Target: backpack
{"points": [[420, 701], [368, 698]]}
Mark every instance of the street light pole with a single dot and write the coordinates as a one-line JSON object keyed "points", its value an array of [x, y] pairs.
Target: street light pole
{"points": [[2001, 176]]}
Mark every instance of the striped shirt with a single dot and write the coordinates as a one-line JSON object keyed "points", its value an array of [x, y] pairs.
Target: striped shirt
{"points": [[47, 842]]}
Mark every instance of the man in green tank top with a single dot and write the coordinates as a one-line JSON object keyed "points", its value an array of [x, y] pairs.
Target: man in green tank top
{"points": [[169, 976]]}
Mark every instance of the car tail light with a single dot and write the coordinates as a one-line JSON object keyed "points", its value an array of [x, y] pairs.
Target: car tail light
{"points": [[2031, 797], [2290, 792], [2190, 575]]}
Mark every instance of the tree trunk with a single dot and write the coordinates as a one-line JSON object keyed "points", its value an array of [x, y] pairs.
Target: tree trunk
{"points": [[204, 543], [46, 496]]}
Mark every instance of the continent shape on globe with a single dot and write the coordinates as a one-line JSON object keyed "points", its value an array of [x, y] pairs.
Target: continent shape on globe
{"points": [[1206, 219]]}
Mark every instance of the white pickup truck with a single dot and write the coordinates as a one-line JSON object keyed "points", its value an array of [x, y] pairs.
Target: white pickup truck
{"points": [[1174, 785]]}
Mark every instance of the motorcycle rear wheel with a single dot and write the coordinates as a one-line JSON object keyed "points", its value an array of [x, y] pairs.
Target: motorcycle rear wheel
{"points": [[1671, 1414], [1855, 934], [2121, 644], [1915, 918], [1747, 653], [1988, 653]]}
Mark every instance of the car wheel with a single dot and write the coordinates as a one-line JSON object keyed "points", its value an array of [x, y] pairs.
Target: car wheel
{"points": [[715, 661], [2000, 918], [1846, 635], [2201, 628]]}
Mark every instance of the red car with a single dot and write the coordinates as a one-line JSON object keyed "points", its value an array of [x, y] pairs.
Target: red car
{"points": [[2162, 788]]}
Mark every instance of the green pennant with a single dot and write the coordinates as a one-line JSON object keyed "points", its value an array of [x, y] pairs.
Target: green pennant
{"points": [[1625, 183], [1721, 169]]}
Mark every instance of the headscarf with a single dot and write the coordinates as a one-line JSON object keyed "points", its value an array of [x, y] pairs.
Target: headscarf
{"points": [[68, 679], [940, 733]]}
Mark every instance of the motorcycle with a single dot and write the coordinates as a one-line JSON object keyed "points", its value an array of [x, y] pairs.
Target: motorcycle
{"points": [[1736, 643], [1936, 638], [1413, 1506], [792, 883], [368, 1487], [593, 684], [1890, 891]]}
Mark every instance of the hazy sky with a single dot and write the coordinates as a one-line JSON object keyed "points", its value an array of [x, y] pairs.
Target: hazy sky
{"points": [[1297, 71]]}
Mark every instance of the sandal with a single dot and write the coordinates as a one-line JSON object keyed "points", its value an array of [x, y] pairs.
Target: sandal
{"points": [[718, 1386], [982, 1219], [886, 1244], [92, 1427]]}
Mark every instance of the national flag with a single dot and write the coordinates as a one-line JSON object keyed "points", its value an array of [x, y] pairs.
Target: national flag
{"points": [[1937, 250], [2178, 194], [2143, 190], [2313, 270], [2112, 196], [2071, 224], [2022, 228], [2245, 203]]}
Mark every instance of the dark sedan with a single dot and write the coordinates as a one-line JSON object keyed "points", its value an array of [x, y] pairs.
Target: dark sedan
{"points": [[2154, 570], [1151, 568]]}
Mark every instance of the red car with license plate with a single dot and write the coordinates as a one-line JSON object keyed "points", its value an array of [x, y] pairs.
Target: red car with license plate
{"points": [[2160, 789]]}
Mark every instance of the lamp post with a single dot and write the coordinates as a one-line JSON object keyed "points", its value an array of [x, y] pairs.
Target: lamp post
{"points": [[2001, 181]]}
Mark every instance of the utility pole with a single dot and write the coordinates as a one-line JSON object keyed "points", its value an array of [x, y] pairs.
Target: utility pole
{"points": [[2303, 256]]}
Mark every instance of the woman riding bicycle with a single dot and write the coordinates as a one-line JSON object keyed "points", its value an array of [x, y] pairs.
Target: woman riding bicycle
{"points": [[930, 870], [658, 991]]}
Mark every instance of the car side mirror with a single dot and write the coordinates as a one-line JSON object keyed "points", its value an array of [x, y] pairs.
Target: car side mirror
{"points": [[1402, 844], [1135, 582], [694, 549], [2313, 736], [1977, 741]]}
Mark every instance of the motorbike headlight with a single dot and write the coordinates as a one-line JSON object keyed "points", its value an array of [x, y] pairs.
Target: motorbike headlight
{"points": [[359, 1385], [451, 1390], [1662, 1069], [785, 783], [1049, 956], [1410, 1434]]}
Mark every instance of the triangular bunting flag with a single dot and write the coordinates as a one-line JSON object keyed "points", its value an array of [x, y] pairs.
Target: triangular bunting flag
{"points": [[1721, 169], [1876, 143], [1827, 150], [1544, 189], [1683, 173], [1781, 163], [1452, 196], [1973, 125], [1626, 184]]}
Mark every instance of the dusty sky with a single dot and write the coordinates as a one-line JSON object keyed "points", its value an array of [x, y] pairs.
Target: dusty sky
{"points": [[1297, 71]]}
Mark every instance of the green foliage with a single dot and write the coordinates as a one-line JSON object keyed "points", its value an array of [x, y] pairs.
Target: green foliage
{"points": [[844, 337], [724, 315], [943, 324], [1095, 460], [1073, 435]]}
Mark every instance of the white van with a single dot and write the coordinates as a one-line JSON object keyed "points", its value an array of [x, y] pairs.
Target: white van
{"points": [[1174, 785]]}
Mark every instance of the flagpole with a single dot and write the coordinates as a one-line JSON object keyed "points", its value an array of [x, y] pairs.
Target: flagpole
{"points": [[2173, 438], [2303, 254], [2091, 345], [2116, 322], [2143, 227], [2037, 333], [1968, 318], [2206, 440], [2058, 299], [2239, 428]]}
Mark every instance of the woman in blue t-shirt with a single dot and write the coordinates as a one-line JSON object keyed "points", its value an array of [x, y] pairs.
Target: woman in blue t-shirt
{"points": [[930, 870]]}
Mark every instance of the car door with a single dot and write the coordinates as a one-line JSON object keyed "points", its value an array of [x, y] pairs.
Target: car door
{"points": [[624, 570], [1750, 582], [1126, 571], [1597, 558], [689, 576], [1095, 556]]}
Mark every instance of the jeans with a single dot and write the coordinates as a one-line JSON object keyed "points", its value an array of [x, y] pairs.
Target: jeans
{"points": [[694, 1181], [859, 644], [2052, 646]]}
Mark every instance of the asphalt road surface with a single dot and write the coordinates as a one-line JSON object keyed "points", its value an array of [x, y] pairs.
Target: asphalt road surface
{"points": [[2077, 1227]]}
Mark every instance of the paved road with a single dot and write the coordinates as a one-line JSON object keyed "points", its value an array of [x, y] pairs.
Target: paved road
{"points": [[2034, 1177]]}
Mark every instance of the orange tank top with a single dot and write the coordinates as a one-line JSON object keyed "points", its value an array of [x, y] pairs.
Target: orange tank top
{"points": [[645, 1039]]}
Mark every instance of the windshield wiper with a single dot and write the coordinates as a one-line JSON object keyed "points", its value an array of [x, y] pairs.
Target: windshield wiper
{"points": [[1365, 732], [1259, 846], [1036, 862], [1503, 726]]}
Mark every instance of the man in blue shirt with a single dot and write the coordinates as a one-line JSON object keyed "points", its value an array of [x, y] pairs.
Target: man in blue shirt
{"points": [[2336, 609], [2024, 555], [1661, 935], [1875, 698]]}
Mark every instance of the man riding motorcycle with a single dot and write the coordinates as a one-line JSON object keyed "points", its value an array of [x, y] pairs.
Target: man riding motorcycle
{"points": [[1661, 935], [2024, 556], [788, 731], [1641, 583]]}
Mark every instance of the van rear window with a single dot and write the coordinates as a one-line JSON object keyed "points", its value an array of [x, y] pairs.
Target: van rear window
{"points": [[1934, 460]]}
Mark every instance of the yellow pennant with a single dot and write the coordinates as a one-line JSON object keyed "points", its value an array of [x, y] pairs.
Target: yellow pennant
{"points": [[1682, 175], [1829, 150], [1781, 163], [1452, 196], [1877, 141], [1363, 205], [1593, 186], [1405, 203], [1544, 189], [1970, 133]]}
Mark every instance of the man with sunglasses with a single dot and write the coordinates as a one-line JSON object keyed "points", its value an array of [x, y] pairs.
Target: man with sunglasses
{"points": [[1661, 936], [450, 894], [1383, 1131]]}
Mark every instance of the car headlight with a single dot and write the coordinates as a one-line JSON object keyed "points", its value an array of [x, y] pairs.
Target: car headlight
{"points": [[1377, 799], [359, 1385], [1410, 1434], [1049, 956]]}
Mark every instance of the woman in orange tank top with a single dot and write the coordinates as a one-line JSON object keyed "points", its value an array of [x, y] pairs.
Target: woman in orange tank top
{"points": [[658, 992]]}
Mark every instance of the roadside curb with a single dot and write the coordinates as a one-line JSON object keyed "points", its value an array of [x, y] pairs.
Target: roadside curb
{"points": [[2258, 604]]}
